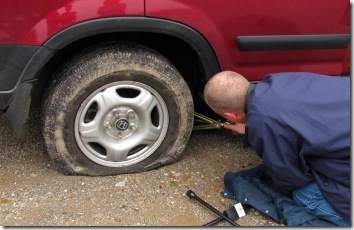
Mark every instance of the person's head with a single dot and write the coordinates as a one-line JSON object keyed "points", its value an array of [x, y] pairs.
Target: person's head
{"points": [[225, 94]]}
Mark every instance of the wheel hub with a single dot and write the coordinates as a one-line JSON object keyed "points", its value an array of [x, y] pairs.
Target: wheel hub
{"points": [[121, 122]]}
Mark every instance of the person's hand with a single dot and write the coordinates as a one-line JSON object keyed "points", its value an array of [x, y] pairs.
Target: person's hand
{"points": [[236, 128]]}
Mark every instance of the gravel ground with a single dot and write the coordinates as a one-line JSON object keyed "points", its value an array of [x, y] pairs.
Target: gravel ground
{"points": [[33, 193]]}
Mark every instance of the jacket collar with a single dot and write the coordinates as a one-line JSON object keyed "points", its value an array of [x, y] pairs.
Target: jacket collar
{"points": [[249, 95]]}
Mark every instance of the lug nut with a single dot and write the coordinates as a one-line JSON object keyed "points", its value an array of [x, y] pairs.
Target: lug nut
{"points": [[108, 125], [115, 113], [133, 127], [131, 115]]}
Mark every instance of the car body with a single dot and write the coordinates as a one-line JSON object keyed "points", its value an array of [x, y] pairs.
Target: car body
{"points": [[198, 38]]}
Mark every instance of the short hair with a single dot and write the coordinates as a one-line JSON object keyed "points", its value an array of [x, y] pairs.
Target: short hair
{"points": [[226, 92]]}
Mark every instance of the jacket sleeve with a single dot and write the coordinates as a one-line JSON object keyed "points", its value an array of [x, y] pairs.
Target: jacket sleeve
{"points": [[277, 145]]}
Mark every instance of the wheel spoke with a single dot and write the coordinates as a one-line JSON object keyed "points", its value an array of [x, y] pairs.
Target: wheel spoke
{"points": [[108, 99], [151, 135], [117, 154], [90, 132], [145, 101]]}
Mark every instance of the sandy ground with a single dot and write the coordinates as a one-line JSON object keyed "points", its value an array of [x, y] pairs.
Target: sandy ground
{"points": [[33, 193]]}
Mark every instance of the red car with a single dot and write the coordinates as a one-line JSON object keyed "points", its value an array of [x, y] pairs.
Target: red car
{"points": [[118, 80]]}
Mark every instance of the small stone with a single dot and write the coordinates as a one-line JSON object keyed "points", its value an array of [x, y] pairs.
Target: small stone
{"points": [[98, 215], [177, 174], [122, 183], [118, 218], [5, 201]]}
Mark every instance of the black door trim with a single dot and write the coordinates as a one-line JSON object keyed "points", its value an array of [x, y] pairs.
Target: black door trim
{"points": [[292, 42]]}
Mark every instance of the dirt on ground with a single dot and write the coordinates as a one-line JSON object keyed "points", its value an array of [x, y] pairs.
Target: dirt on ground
{"points": [[33, 193]]}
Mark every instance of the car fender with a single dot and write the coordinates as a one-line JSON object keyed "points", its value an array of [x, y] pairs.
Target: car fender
{"points": [[70, 13], [100, 26]]}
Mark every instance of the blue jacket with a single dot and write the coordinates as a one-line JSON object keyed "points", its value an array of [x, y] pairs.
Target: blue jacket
{"points": [[252, 187], [299, 124]]}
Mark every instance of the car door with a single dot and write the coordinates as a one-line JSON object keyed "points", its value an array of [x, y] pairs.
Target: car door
{"points": [[257, 37]]}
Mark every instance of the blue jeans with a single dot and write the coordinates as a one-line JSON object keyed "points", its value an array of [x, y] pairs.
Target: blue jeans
{"points": [[311, 197]]}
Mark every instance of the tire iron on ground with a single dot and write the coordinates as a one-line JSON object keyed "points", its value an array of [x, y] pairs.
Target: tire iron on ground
{"points": [[192, 195]]}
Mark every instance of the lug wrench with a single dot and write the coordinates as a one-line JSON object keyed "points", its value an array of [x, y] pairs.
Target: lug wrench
{"points": [[206, 122], [213, 222], [231, 212], [192, 195]]}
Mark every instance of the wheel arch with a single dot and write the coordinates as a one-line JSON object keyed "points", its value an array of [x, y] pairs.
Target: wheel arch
{"points": [[36, 75], [138, 29], [143, 25]]}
